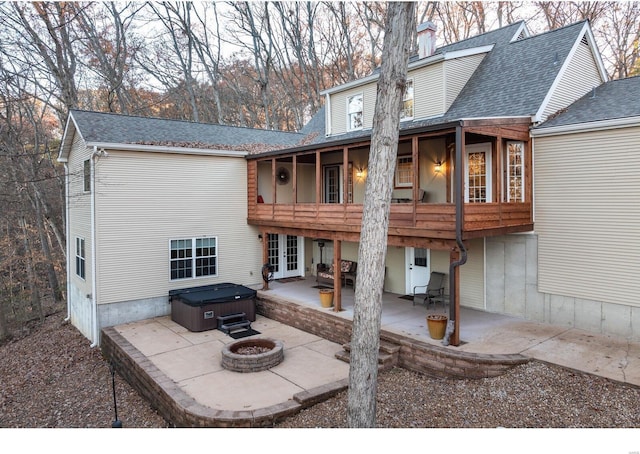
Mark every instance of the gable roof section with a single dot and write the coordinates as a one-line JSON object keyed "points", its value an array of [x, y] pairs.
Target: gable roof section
{"points": [[612, 104], [109, 130], [515, 78]]}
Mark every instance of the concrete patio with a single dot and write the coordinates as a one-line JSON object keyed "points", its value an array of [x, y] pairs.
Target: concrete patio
{"points": [[182, 370]]}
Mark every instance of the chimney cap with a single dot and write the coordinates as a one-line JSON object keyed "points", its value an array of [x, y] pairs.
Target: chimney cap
{"points": [[426, 26]]}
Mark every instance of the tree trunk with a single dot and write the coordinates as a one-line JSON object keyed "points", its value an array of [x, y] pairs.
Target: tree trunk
{"points": [[36, 304], [365, 339]]}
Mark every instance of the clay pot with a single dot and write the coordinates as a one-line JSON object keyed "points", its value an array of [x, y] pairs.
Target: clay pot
{"points": [[437, 325]]}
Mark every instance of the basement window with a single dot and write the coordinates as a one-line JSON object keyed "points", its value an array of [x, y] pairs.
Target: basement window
{"points": [[80, 258]]}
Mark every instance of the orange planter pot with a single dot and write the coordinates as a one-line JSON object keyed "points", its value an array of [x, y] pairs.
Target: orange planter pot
{"points": [[437, 325]]}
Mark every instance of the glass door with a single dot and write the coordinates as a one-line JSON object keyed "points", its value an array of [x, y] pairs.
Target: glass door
{"points": [[477, 178], [284, 255]]}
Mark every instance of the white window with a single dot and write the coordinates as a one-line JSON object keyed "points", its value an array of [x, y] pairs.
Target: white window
{"points": [[478, 173], [515, 172], [407, 101], [86, 176], [80, 258], [354, 112], [194, 257], [404, 172]]}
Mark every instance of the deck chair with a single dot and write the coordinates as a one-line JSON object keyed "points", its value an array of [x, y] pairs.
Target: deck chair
{"points": [[424, 294]]}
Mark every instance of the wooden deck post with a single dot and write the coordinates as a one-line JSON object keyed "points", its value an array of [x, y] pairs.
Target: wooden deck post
{"points": [[265, 255]]}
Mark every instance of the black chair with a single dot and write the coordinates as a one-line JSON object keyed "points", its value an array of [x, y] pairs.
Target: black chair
{"points": [[434, 289]]}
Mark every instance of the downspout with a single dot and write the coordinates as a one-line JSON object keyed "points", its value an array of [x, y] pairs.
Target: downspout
{"points": [[68, 236], [94, 285], [463, 251]]}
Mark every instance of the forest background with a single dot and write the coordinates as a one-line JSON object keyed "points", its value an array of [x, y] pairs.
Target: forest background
{"points": [[248, 64]]}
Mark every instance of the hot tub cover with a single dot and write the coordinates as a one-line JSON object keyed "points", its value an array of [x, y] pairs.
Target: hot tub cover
{"points": [[211, 294]]}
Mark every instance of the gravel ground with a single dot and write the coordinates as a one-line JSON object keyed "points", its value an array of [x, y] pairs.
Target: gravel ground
{"points": [[52, 378]]}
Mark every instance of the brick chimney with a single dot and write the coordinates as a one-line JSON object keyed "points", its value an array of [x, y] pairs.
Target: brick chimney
{"points": [[426, 39]]}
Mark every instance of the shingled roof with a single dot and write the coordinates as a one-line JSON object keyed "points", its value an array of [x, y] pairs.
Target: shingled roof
{"points": [[108, 128], [612, 100], [515, 77], [511, 81]]}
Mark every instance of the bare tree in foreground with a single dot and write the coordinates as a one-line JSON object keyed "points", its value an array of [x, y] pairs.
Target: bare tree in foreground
{"points": [[365, 339]]}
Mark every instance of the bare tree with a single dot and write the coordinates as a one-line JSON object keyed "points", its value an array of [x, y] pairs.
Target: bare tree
{"points": [[107, 50], [365, 339], [620, 34]]}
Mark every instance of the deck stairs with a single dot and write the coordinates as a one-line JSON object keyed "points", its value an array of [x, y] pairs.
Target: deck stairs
{"points": [[387, 355], [233, 322]]}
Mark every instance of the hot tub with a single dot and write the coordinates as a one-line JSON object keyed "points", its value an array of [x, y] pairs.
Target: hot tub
{"points": [[198, 308]]}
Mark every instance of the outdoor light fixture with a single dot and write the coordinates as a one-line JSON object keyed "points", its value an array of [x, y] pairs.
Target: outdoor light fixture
{"points": [[360, 173], [438, 167]]}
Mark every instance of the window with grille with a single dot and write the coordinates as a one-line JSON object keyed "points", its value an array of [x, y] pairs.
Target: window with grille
{"points": [[194, 257], [80, 258], [86, 174], [515, 172], [404, 171], [407, 101], [354, 112]]}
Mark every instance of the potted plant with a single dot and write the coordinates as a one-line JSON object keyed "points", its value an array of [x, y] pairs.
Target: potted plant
{"points": [[326, 297], [437, 324]]}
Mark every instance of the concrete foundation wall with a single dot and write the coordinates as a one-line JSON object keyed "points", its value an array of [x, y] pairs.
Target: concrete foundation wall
{"points": [[512, 289], [113, 314]]}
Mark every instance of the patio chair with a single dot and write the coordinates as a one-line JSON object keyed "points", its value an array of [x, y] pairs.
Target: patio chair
{"points": [[434, 289]]}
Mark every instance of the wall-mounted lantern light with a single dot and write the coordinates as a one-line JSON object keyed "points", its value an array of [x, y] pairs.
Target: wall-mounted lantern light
{"points": [[438, 167]]}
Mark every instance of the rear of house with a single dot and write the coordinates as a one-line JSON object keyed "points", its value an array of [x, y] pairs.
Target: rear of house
{"points": [[587, 212], [146, 216]]}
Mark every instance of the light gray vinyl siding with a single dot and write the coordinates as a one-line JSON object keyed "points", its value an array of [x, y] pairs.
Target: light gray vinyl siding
{"points": [[472, 276], [339, 107], [429, 96], [581, 76], [428, 91], [457, 73], [146, 199], [587, 215], [79, 206]]}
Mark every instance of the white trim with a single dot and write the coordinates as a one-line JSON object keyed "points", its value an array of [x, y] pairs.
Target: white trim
{"points": [[615, 123], [83, 257], [65, 149], [484, 147], [194, 258], [327, 116], [416, 64], [592, 46], [413, 99], [522, 27], [462, 53], [165, 149], [348, 118]]}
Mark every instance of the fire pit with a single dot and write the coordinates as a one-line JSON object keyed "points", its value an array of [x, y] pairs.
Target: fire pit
{"points": [[252, 355]]}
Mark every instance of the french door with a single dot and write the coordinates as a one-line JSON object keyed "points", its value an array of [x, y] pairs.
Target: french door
{"points": [[477, 177], [285, 255]]}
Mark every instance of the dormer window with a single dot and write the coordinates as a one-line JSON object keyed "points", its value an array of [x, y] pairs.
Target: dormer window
{"points": [[407, 101], [354, 112]]}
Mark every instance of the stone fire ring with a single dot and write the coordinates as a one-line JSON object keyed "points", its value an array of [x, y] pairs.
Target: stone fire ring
{"points": [[231, 360]]}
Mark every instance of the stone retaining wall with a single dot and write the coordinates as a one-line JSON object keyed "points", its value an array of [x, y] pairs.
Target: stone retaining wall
{"points": [[414, 355]]}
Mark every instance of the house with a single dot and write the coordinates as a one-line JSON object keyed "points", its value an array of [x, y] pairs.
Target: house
{"points": [[149, 205], [464, 182], [465, 203], [587, 164]]}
